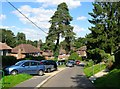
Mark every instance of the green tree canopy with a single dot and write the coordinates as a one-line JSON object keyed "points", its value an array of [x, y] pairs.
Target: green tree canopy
{"points": [[105, 32], [60, 27], [8, 37]]}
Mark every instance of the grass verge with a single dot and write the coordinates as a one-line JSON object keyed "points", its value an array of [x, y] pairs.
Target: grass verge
{"points": [[89, 71], [60, 66], [12, 80], [109, 81]]}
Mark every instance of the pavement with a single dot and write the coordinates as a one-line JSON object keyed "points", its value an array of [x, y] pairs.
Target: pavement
{"points": [[37, 81], [97, 75]]}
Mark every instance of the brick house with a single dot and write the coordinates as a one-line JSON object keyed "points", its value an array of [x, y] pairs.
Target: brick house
{"points": [[23, 50]]}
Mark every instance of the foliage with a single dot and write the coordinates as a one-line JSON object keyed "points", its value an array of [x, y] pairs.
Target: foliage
{"points": [[109, 81], [8, 37], [75, 56], [96, 54], [30, 57], [79, 42], [106, 28], [117, 56], [60, 27], [89, 63], [20, 38], [12, 80], [8, 61], [89, 71]]}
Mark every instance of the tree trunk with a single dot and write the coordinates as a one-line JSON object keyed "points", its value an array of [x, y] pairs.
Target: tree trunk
{"points": [[56, 49]]}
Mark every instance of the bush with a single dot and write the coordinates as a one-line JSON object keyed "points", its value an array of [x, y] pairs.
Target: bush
{"points": [[8, 61], [74, 56], [96, 54], [39, 58], [89, 63]]}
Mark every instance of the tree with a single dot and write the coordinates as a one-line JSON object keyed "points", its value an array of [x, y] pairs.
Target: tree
{"points": [[105, 32], [79, 42], [8, 37], [20, 38], [60, 27], [75, 56]]}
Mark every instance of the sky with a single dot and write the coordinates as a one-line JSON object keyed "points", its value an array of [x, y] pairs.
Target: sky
{"points": [[40, 11]]}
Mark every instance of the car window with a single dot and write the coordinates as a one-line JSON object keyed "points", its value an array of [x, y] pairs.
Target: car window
{"points": [[26, 64], [34, 63]]}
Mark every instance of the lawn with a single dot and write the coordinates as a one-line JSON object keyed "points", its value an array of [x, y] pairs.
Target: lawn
{"points": [[109, 81], [12, 80], [89, 71], [60, 66]]}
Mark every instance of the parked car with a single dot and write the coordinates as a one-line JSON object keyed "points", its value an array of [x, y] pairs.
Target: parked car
{"points": [[82, 64], [70, 63], [77, 62], [26, 66], [50, 65]]}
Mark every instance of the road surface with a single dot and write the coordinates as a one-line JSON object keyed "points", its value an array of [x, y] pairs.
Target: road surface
{"points": [[70, 77]]}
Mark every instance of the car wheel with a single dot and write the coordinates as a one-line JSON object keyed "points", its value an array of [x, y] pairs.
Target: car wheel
{"points": [[40, 72], [14, 72], [49, 70]]}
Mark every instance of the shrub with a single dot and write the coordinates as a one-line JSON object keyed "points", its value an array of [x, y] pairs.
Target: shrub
{"points": [[39, 58], [74, 56], [89, 63], [8, 60]]}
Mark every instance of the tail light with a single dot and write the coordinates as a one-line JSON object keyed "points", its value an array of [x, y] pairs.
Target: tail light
{"points": [[41, 63]]}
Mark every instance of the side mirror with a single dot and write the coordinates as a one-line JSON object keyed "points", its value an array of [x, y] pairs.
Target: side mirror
{"points": [[23, 65]]}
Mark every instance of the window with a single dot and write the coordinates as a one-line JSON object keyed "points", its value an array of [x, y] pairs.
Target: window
{"points": [[26, 64], [34, 63]]}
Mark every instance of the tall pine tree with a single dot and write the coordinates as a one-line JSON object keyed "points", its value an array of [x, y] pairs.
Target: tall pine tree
{"points": [[60, 27]]}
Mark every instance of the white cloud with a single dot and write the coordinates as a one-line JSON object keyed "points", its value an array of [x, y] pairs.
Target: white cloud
{"points": [[33, 34], [40, 16], [2, 17], [78, 29], [82, 18], [70, 3]]}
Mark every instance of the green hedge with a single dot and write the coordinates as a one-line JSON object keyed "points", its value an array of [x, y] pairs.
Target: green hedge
{"points": [[8, 61], [89, 71]]}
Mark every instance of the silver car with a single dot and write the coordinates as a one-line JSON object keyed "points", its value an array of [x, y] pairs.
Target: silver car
{"points": [[26, 66]]}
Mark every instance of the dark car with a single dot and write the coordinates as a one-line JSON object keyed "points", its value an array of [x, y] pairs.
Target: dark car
{"points": [[26, 66], [50, 65]]}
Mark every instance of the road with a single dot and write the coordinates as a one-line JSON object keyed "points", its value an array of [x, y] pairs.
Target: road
{"points": [[70, 77]]}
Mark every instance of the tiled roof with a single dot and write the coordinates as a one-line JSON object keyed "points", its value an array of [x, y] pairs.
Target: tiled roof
{"points": [[83, 48], [4, 46], [25, 48], [47, 53]]}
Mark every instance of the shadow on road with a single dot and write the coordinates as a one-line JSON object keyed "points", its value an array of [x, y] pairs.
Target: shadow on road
{"points": [[82, 82]]}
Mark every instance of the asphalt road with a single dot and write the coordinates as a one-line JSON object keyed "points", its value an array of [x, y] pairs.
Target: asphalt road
{"points": [[71, 77]]}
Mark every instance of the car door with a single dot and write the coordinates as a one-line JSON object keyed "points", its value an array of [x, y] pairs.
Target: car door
{"points": [[33, 67], [26, 67]]}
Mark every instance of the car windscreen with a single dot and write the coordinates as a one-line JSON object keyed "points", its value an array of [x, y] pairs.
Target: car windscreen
{"points": [[18, 63]]}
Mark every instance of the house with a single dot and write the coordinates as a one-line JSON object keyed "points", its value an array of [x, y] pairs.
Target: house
{"points": [[63, 55], [23, 50], [48, 54], [82, 51], [4, 49]]}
